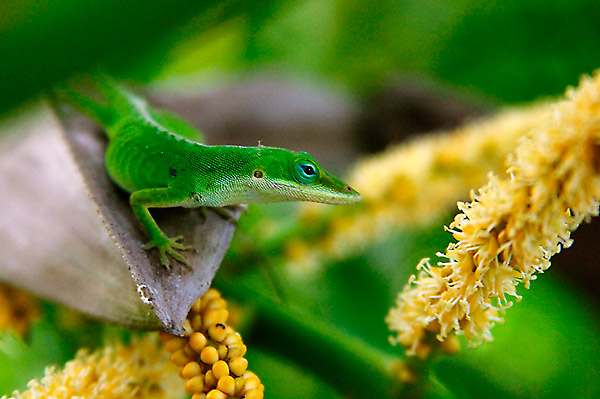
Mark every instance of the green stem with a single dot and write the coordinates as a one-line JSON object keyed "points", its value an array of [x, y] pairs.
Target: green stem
{"points": [[350, 364]]}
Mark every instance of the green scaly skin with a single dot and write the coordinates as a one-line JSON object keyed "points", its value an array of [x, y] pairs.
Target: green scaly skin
{"points": [[158, 158]]}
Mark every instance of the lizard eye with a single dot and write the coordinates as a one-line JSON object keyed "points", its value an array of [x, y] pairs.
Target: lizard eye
{"points": [[305, 172]]}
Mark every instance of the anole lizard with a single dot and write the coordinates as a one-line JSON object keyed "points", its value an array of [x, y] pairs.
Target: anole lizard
{"points": [[158, 158]]}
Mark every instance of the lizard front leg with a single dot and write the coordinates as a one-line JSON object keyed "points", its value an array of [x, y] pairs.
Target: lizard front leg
{"points": [[140, 201]]}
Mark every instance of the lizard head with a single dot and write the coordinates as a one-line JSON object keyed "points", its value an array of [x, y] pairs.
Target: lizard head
{"points": [[297, 176]]}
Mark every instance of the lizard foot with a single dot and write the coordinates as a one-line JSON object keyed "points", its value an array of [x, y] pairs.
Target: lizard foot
{"points": [[170, 246]]}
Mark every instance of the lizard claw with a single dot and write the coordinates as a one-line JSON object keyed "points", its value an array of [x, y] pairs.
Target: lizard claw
{"points": [[170, 246]]}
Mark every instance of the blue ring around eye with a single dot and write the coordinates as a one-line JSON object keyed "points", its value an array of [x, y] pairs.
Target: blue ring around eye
{"points": [[303, 172]]}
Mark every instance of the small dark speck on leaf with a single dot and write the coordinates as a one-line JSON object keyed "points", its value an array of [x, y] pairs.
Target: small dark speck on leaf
{"points": [[173, 172]]}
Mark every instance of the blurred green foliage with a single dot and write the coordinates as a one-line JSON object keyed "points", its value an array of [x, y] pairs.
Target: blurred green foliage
{"points": [[511, 51], [45, 41]]}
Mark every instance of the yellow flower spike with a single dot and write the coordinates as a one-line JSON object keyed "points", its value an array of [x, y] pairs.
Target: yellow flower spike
{"points": [[210, 356], [112, 372], [510, 229]]}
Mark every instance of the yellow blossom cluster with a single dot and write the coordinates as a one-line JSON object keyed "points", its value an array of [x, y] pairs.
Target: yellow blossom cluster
{"points": [[417, 182], [510, 229], [140, 370], [17, 309], [210, 355]]}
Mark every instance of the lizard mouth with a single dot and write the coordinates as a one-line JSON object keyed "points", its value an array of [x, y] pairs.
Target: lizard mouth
{"points": [[323, 195]]}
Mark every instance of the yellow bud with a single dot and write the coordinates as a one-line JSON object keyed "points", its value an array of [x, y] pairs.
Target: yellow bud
{"points": [[237, 350], [210, 295], [190, 370], [251, 383], [222, 350], [209, 379], [194, 384], [189, 352], [215, 316], [179, 358], [174, 344], [249, 374], [226, 385], [218, 303], [220, 369], [197, 306], [238, 365], [199, 396], [233, 338], [217, 332], [209, 355], [215, 394], [240, 390], [197, 342], [197, 322], [187, 328], [254, 394]]}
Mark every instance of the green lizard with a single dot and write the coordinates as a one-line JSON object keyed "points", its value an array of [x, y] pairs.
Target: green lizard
{"points": [[158, 158]]}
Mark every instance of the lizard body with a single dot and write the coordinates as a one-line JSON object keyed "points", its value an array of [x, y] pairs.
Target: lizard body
{"points": [[159, 159]]}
